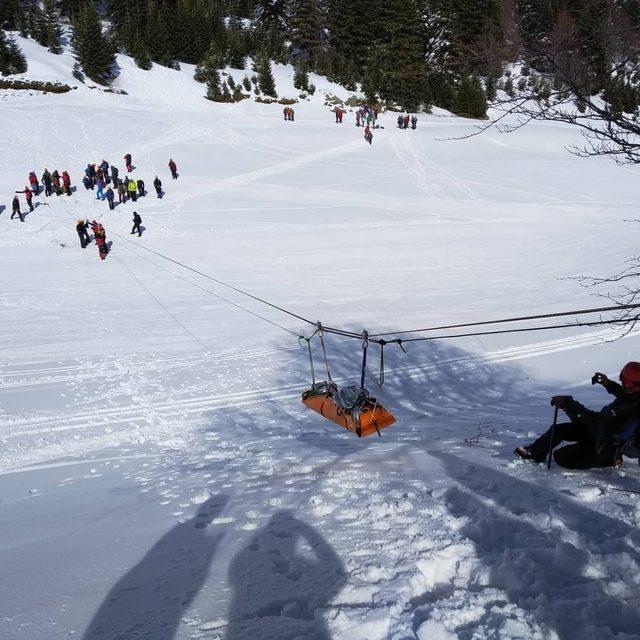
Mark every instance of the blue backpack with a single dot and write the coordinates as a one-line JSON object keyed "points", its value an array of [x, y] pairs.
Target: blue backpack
{"points": [[629, 440]]}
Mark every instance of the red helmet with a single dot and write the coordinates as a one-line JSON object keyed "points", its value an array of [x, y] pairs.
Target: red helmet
{"points": [[630, 375]]}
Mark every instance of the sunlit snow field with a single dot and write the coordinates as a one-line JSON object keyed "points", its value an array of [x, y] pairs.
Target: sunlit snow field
{"points": [[159, 477]]}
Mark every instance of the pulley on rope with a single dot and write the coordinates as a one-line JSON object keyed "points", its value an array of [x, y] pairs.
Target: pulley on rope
{"points": [[351, 407]]}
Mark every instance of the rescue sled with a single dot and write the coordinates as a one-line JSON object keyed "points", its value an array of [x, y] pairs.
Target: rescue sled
{"points": [[351, 408]]}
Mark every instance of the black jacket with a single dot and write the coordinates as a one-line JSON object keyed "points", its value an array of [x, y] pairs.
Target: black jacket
{"points": [[605, 425], [137, 219]]}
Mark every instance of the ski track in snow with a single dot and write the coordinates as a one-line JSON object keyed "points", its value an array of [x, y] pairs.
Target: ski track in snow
{"points": [[160, 477]]}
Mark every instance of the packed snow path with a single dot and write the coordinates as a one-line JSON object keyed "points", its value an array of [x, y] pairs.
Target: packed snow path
{"points": [[159, 476]]}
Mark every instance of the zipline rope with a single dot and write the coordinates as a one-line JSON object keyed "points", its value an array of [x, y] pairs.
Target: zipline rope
{"points": [[578, 312], [379, 338], [215, 295], [220, 282], [522, 330]]}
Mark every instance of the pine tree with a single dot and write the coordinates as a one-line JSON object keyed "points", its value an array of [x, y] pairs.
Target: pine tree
{"points": [[237, 94], [52, 27], [477, 99], [9, 10], [236, 45], [307, 29], [403, 60], [470, 100], [271, 15], [12, 59], [266, 80], [207, 71], [590, 22], [490, 88], [91, 48], [301, 78], [213, 85], [140, 53]]}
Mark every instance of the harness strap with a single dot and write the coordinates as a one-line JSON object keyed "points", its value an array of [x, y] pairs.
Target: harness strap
{"points": [[365, 346], [320, 332]]}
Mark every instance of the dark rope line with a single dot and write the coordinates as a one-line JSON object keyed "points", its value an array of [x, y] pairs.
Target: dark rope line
{"points": [[162, 306], [560, 314], [220, 282], [379, 338], [215, 295], [523, 330]]}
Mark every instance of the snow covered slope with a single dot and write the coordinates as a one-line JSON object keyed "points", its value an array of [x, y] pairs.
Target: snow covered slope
{"points": [[159, 475]]}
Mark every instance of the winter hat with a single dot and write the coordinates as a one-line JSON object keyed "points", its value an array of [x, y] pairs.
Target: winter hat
{"points": [[630, 375]]}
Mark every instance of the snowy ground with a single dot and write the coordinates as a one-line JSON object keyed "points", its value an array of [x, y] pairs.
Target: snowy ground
{"points": [[159, 477]]}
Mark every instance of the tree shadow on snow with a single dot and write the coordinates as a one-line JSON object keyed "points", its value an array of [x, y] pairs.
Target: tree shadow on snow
{"points": [[438, 392], [280, 580], [150, 600], [562, 563]]}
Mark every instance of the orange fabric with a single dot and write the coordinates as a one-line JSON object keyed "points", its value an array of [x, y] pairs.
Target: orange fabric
{"points": [[370, 417]]}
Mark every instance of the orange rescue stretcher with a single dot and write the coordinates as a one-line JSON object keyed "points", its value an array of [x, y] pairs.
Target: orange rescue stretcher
{"points": [[351, 408]]}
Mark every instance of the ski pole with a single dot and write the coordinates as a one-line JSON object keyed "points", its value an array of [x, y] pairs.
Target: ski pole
{"points": [[553, 428]]}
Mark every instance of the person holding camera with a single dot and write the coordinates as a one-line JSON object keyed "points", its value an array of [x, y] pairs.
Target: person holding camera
{"points": [[597, 436]]}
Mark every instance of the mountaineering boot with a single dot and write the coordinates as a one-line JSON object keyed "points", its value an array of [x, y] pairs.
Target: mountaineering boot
{"points": [[524, 453]]}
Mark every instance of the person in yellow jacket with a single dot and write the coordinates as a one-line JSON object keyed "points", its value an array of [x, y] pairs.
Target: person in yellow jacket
{"points": [[132, 188]]}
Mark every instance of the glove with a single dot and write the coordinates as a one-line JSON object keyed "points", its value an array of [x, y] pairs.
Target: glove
{"points": [[560, 401], [599, 378]]}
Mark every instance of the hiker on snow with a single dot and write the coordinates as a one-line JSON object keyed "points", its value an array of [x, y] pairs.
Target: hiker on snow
{"points": [[122, 192], [368, 136], [114, 175], [46, 181], [414, 122], [110, 196], [127, 161], [100, 192], [55, 179], [173, 168], [140, 185], [15, 209], [400, 121], [598, 435], [83, 234], [137, 221], [28, 195], [157, 183], [90, 172], [101, 239], [104, 165], [34, 185], [132, 189], [66, 181]]}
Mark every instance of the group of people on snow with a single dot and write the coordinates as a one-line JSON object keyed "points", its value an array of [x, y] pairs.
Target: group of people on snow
{"points": [[51, 181], [97, 177], [404, 120], [367, 116], [289, 114], [102, 177], [99, 235]]}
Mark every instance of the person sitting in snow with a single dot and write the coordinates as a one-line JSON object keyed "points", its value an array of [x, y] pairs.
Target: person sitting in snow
{"points": [[597, 435]]}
